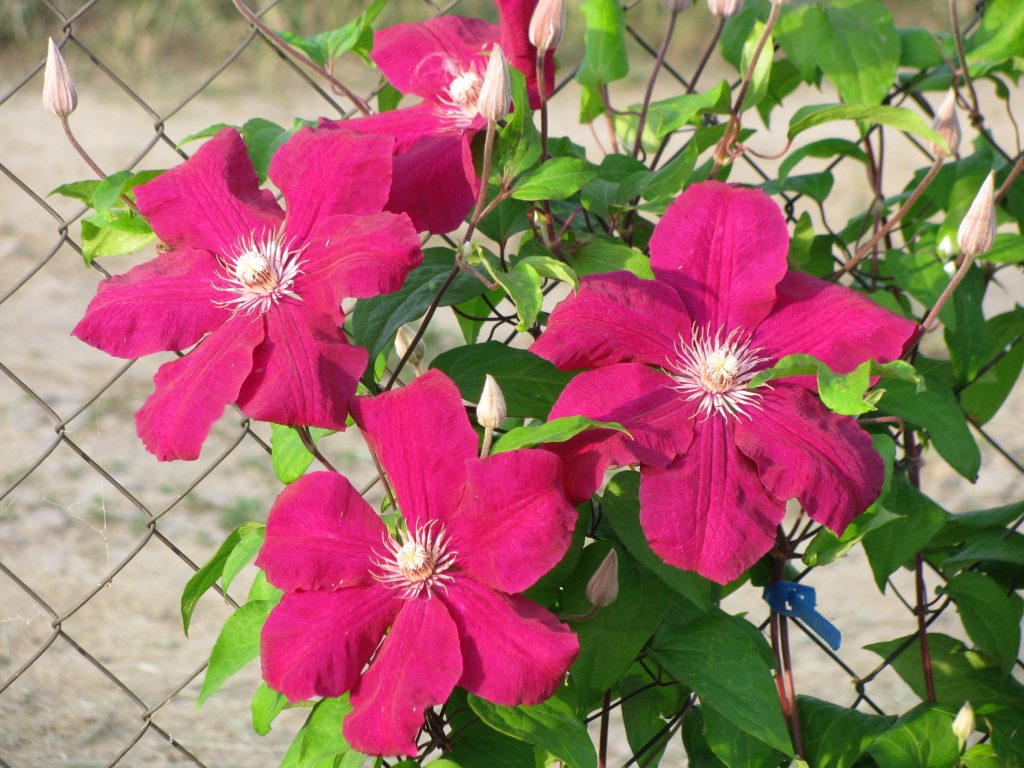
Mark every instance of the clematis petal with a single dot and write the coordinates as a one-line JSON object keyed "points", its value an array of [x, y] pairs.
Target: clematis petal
{"points": [[422, 58], [443, 165], [803, 450], [327, 172], [642, 400], [317, 643], [304, 372], [406, 125], [417, 667], [831, 322], [212, 201], [514, 20], [165, 304], [191, 392], [356, 257], [708, 511], [513, 524], [615, 318], [724, 249], [320, 535], [513, 651], [421, 434]]}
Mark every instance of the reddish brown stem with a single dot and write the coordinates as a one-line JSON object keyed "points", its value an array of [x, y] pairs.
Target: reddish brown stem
{"points": [[913, 454]]}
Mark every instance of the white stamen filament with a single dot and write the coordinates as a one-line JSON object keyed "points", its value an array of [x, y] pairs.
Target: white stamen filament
{"points": [[715, 371], [416, 563], [458, 105], [259, 274]]}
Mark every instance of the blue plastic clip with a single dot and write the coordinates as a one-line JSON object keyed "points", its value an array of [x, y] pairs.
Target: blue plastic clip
{"points": [[797, 600]]}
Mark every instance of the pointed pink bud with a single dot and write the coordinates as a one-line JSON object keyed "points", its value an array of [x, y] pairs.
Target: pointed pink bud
{"points": [[490, 411], [547, 25], [603, 587], [725, 8], [59, 97], [947, 125], [496, 92], [978, 228]]}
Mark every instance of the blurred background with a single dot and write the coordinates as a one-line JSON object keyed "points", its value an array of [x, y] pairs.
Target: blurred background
{"points": [[97, 539]]}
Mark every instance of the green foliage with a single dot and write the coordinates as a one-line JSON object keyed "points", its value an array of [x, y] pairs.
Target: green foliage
{"points": [[552, 726], [554, 431], [207, 576], [289, 455]]}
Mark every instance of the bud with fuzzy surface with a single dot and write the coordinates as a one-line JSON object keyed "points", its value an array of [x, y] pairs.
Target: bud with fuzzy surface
{"points": [[547, 25], [59, 96], [496, 92], [978, 229], [490, 411], [947, 125], [963, 724], [603, 587], [403, 338], [725, 8]]}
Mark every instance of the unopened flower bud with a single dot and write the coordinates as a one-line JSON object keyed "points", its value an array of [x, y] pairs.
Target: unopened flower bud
{"points": [[946, 246], [546, 25], [490, 411], [603, 587], [676, 6], [978, 229], [496, 92], [59, 97], [725, 8], [947, 125], [403, 338], [963, 723]]}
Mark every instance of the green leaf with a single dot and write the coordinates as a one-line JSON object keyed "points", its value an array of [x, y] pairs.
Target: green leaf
{"points": [[611, 639], [669, 115], [117, 235], [210, 130], [989, 545], [981, 756], [374, 321], [79, 190], [596, 254], [985, 395], [551, 726], [554, 431], [824, 148], [267, 704], [323, 737], [735, 747], [762, 70], [895, 117], [1000, 34], [604, 57], [288, 455], [551, 268], [237, 644], [695, 741], [108, 193], [262, 139], [476, 745], [834, 736], [530, 384], [727, 664], [507, 218], [890, 546], [622, 504], [243, 554], [208, 575], [922, 738], [518, 145], [557, 179], [960, 674], [937, 411], [990, 616], [854, 42], [645, 708], [523, 287]]}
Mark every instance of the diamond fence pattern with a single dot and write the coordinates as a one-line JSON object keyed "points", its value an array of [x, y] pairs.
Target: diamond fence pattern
{"points": [[82, 682]]}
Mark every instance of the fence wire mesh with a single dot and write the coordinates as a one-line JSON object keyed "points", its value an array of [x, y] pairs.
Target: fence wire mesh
{"points": [[98, 539]]}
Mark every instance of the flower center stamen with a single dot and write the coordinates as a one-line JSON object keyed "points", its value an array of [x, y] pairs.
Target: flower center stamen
{"points": [[715, 372], [457, 106], [416, 563], [259, 274]]}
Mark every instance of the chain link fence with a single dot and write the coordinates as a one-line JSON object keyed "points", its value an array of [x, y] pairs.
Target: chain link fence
{"points": [[97, 539]]}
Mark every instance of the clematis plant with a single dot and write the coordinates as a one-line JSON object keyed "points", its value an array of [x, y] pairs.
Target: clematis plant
{"points": [[475, 534], [259, 288], [734, 369]]}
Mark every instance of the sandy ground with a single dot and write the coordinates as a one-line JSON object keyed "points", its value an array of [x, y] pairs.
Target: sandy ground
{"points": [[66, 527]]}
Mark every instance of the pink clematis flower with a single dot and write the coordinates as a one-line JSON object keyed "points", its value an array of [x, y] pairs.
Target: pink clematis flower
{"points": [[477, 532], [261, 288], [671, 359], [443, 61]]}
